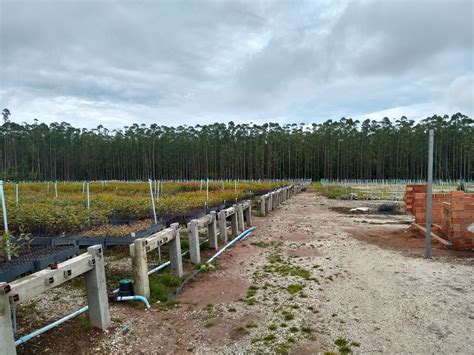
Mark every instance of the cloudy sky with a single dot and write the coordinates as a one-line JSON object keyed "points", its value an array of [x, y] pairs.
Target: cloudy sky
{"points": [[188, 62]]}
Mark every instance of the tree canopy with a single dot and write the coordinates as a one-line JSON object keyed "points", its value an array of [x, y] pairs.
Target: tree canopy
{"points": [[343, 149]]}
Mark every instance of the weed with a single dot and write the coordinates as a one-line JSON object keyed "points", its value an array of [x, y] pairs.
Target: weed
{"points": [[343, 346]]}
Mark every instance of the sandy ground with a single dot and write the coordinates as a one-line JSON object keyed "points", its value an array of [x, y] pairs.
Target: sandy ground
{"points": [[309, 277]]}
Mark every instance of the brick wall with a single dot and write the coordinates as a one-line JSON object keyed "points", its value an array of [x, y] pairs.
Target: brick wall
{"points": [[452, 211]]}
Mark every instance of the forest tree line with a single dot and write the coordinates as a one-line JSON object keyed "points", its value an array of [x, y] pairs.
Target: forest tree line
{"points": [[343, 149]]}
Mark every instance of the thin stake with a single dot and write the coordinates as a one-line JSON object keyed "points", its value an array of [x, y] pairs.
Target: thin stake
{"points": [[56, 188], [429, 194], [5, 221], [207, 192], [88, 196], [16, 194], [152, 201]]}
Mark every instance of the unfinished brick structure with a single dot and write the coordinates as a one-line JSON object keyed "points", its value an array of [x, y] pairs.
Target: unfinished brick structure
{"points": [[452, 214]]}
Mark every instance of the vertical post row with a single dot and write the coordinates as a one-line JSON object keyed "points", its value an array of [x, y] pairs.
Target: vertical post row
{"points": [[175, 252], [233, 222], [141, 285], [222, 227], [96, 289], [194, 250], [7, 340], [212, 231]]}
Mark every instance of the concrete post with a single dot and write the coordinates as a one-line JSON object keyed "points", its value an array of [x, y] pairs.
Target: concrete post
{"points": [[212, 231], [222, 227], [141, 285], [248, 215], [96, 290], [175, 253], [7, 340], [262, 206], [194, 249], [233, 222], [240, 217]]}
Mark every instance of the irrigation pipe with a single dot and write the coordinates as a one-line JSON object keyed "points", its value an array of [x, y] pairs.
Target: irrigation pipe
{"points": [[240, 237], [40, 331], [134, 298]]}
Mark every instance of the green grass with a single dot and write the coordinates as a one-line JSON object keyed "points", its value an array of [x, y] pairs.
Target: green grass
{"points": [[162, 285], [294, 288]]}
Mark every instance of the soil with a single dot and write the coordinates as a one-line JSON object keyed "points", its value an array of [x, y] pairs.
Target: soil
{"points": [[307, 277]]}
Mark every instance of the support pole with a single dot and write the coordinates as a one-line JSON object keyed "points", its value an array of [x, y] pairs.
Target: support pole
{"points": [[141, 285], [96, 289], [212, 231], [194, 251], [152, 201], [7, 340], [240, 217], [222, 227], [429, 194], [88, 196], [248, 215], [262, 206], [5, 220], [233, 222], [56, 188], [17, 199], [175, 253]]}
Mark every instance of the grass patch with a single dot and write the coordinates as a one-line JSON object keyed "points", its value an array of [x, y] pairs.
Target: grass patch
{"points": [[162, 285], [287, 315], [343, 346], [261, 244], [294, 288]]}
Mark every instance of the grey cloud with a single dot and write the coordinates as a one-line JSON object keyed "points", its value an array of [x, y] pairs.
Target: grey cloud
{"points": [[200, 61]]}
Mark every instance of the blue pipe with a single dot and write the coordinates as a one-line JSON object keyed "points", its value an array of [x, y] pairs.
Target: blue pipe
{"points": [[40, 331], [134, 298], [242, 235]]}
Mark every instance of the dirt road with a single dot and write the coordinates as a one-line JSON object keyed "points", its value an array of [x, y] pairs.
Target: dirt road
{"points": [[309, 280]]}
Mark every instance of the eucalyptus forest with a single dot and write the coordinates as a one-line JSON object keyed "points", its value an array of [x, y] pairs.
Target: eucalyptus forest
{"points": [[335, 149]]}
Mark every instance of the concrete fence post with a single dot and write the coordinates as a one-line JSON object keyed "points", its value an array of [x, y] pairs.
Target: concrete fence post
{"points": [[262, 206], [141, 284], [212, 231], [248, 215], [194, 249], [222, 227], [240, 217], [96, 289], [7, 340], [176, 260], [233, 222]]}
